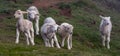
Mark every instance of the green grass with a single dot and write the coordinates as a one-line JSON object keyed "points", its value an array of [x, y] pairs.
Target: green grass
{"points": [[86, 37]]}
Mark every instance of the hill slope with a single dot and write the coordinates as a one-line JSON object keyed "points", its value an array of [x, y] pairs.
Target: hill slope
{"points": [[83, 15]]}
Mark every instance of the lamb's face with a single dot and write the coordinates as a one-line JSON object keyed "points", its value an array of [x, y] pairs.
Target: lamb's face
{"points": [[105, 20], [68, 29], [32, 14], [54, 27], [18, 13]]}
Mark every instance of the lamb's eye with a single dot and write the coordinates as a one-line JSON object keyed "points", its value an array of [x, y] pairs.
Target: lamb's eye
{"points": [[19, 13], [68, 28], [104, 20]]}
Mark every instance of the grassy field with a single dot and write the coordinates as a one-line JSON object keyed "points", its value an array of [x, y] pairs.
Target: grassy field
{"points": [[86, 37]]}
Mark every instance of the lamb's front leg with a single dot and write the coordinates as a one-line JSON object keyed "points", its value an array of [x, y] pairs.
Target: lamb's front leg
{"points": [[56, 41], [37, 25], [32, 34], [63, 40], [108, 41], [17, 36], [103, 40], [71, 41], [68, 43], [52, 42]]}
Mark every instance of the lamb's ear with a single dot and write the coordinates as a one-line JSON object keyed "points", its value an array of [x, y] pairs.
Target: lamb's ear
{"points": [[24, 12], [38, 14], [64, 26], [101, 16], [109, 17]]}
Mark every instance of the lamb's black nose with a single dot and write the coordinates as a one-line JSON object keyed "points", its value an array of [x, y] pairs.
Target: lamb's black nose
{"points": [[107, 23]]}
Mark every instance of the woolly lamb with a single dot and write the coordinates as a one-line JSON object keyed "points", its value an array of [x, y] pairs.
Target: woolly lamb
{"points": [[33, 15], [24, 26], [105, 30], [49, 20], [48, 31], [65, 30]]}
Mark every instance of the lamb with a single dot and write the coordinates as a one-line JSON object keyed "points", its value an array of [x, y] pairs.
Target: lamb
{"points": [[25, 26], [48, 31], [105, 30], [49, 20], [33, 15], [65, 30]]}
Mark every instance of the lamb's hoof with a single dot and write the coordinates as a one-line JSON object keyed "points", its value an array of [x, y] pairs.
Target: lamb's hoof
{"points": [[16, 42], [103, 45], [62, 45], [37, 33], [28, 44], [108, 47], [33, 44], [69, 48], [59, 47], [52, 46]]}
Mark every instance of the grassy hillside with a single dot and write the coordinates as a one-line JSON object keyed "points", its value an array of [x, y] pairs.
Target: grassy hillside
{"points": [[84, 17]]}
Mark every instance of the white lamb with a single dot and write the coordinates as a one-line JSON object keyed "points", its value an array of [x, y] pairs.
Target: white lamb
{"points": [[49, 20], [24, 26], [65, 30], [105, 30], [33, 15], [48, 31]]}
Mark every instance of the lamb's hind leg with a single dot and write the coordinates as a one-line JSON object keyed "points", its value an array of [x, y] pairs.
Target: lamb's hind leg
{"points": [[27, 38], [31, 39], [45, 39], [17, 36]]}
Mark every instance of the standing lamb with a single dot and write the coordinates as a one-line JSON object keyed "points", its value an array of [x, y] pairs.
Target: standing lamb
{"points": [[105, 30], [24, 26], [33, 14], [48, 31], [65, 30]]}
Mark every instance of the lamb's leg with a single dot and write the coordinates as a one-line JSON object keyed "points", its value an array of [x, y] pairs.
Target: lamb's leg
{"points": [[71, 41], [56, 41], [108, 41], [31, 39], [52, 43], [32, 33], [63, 40], [17, 36], [48, 43], [27, 38], [37, 25], [45, 39], [68, 43], [103, 40]]}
